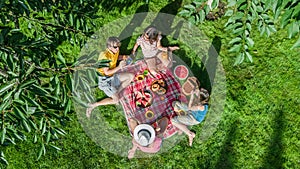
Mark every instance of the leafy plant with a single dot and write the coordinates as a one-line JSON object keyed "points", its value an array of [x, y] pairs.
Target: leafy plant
{"points": [[198, 10], [266, 15], [39, 41]]}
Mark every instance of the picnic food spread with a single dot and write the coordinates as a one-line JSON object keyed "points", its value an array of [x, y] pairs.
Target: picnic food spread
{"points": [[149, 97]]}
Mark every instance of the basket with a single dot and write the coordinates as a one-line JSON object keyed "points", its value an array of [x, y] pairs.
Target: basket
{"points": [[189, 85]]}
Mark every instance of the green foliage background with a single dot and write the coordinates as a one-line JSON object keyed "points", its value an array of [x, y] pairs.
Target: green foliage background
{"points": [[258, 129]]}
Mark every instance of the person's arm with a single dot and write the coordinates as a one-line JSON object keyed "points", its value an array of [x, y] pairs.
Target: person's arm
{"points": [[191, 100], [108, 71], [131, 152], [160, 47], [122, 57], [136, 45], [193, 108]]}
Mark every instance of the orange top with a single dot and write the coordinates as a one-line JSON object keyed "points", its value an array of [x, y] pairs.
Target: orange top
{"points": [[107, 54]]}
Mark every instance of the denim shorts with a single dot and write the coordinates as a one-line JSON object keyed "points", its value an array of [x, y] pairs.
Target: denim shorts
{"points": [[109, 84], [188, 120]]}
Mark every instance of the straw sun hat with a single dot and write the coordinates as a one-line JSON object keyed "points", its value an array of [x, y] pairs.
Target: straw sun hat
{"points": [[144, 134]]}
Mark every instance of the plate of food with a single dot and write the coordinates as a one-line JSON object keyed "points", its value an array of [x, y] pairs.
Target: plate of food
{"points": [[159, 86], [181, 72], [143, 98]]}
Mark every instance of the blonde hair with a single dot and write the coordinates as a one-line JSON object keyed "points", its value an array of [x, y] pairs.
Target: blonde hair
{"points": [[111, 41]]}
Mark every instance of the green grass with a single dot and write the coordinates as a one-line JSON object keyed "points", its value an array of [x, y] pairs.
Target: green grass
{"points": [[259, 127]]}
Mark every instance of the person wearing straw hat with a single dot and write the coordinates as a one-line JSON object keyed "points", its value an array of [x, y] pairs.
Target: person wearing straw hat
{"points": [[144, 139]]}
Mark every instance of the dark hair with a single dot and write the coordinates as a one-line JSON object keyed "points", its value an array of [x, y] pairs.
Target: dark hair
{"points": [[152, 33], [203, 96]]}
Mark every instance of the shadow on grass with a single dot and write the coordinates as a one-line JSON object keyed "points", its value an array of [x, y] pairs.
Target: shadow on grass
{"points": [[225, 159], [273, 158], [211, 63], [136, 21], [207, 70], [164, 22]]}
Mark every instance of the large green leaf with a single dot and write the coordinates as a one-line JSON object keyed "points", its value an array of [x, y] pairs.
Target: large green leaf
{"points": [[31, 68], [231, 3], [2, 136], [249, 56], [235, 40], [26, 126], [293, 29], [286, 18], [249, 41], [8, 95], [48, 137], [297, 44], [69, 82], [61, 58], [2, 159], [184, 13], [42, 150], [39, 90], [229, 12], [296, 11], [19, 113], [27, 83], [235, 48], [6, 87], [55, 147], [68, 107], [239, 59], [10, 62]]}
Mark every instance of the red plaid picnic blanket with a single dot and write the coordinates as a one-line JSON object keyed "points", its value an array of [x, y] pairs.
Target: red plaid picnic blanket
{"points": [[161, 104]]}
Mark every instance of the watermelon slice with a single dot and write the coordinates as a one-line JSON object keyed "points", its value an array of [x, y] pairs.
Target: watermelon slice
{"points": [[147, 96], [181, 72], [138, 95], [144, 102], [143, 99]]}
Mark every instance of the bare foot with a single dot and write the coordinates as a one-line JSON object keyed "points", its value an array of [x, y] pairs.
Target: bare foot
{"points": [[191, 137], [88, 111], [131, 154]]}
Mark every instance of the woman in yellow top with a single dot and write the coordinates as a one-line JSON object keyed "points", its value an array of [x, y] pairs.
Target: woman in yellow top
{"points": [[110, 81]]}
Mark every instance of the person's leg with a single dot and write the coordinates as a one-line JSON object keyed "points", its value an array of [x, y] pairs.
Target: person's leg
{"points": [[132, 124], [125, 80], [151, 63], [181, 122], [184, 128], [105, 101], [131, 152]]}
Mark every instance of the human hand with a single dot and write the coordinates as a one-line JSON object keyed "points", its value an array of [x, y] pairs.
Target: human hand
{"points": [[122, 63], [124, 57], [195, 92], [172, 48], [133, 53]]}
